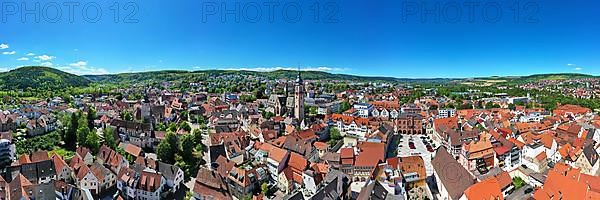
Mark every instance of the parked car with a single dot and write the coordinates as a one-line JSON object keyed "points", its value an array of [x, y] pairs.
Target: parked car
{"points": [[430, 149]]}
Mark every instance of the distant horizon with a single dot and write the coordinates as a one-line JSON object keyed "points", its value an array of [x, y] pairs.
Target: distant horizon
{"points": [[367, 76]]}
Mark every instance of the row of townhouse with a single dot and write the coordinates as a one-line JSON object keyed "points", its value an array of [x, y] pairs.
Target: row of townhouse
{"points": [[350, 126]]}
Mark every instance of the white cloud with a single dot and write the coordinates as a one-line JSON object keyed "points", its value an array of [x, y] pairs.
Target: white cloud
{"points": [[79, 64], [44, 58], [577, 68], [9, 52], [47, 64], [23, 59], [30, 54], [269, 69], [4, 46], [570, 64], [2, 69], [200, 67], [85, 70], [82, 68]]}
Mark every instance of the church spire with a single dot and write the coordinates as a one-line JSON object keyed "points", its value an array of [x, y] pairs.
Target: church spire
{"points": [[299, 98], [298, 78]]}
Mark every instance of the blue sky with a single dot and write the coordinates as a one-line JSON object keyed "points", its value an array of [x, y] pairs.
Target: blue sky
{"points": [[367, 37]]}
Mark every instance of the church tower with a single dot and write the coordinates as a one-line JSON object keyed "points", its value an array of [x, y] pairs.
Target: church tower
{"points": [[299, 99]]}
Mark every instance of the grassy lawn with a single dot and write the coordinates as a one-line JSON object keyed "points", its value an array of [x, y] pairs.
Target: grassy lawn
{"points": [[62, 152], [30, 98]]}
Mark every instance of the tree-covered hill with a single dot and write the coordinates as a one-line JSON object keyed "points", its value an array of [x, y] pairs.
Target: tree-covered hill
{"points": [[40, 78], [45, 78], [533, 78], [172, 75]]}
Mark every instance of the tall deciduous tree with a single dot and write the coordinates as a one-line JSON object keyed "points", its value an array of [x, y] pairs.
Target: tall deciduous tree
{"points": [[167, 148], [71, 134], [109, 139], [187, 147], [91, 116], [82, 134], [93, 142]]}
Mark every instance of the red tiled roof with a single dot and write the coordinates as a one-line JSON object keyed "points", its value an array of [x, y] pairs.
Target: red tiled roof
{"points": [[558, 185], [347, 156], [149, 181], [541, 156], [518, 143], [297, 162], [24, 159], [370, 154], [82, 151], [346, 153], [39, 156], [321, 145], [504, 179], [59, 163], [275, 153], [307, 134], [501, 150], [413, 164], [393, 161], [487, 189], [133, 150], [82, 171]]}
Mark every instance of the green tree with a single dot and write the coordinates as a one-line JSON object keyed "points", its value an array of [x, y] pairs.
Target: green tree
{"points": [[126, 115], [334, 136], [185, 126], [197, 133], [203, 126], [183, 115], [334, 133], [91, 116], [518, 182], [312, 111], [172, 127], [267, 115], [161, 127], [167, 148], [200, 119], [187, 147], [247, 98], [70, 138], [109, 139], [82, 134], [344, 106], [264, 188], [188, 195], [433, 107], [93, 142]]}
